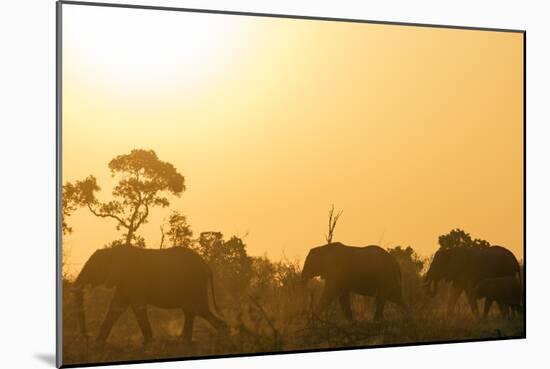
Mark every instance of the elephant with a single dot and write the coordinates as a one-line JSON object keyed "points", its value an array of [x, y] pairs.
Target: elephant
{"points": [[170, 278], [505, 291], [466, 267], [367, 271]]}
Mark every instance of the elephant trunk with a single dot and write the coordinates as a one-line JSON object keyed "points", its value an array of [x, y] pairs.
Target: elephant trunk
{"points": [[433, 289], [306, 274], [304, 279], [431, 286]]}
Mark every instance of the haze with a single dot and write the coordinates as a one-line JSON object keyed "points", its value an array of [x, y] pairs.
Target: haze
{"points": [[410, 131]]}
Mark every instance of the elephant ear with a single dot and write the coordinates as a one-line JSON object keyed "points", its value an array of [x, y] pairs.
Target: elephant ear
{"points": [[330, 260], [462, 264], [477, 261], [113, 265], [445, 263], [452, 266]]}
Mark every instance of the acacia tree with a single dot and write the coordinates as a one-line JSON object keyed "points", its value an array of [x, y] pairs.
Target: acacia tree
{"points": [[144, 183]]}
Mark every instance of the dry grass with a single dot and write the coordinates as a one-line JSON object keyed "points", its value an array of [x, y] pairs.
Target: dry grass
{"points": [[281, 320]]}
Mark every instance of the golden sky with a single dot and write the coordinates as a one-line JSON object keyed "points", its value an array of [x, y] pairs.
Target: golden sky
{"points": [[411, 131]]}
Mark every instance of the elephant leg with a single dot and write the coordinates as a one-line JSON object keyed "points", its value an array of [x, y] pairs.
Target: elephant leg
{"points": [[140, 311], [346, 306], [487, 307], [398, 300], [504, 310], [116, 308], [453, 298], [512, 311], [379, 313], [216, 322], [328, 295], [472, 300], [509, 311], [187, 333]]}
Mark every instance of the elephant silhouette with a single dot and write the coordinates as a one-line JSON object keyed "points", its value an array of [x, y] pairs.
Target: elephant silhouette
{"points": [[505, 291], [167, 278], [367, 271], [465, 267]]}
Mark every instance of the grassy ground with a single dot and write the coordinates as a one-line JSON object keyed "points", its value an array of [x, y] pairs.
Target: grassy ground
{"points": [[274, 323]]}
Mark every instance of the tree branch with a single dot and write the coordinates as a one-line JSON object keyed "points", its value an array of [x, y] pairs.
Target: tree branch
{"points": [[142, 218], [332, 223], [162, 236], [107, 215]]}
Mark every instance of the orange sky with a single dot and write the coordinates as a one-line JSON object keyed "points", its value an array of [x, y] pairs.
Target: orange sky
{"points": [[411, 131]]}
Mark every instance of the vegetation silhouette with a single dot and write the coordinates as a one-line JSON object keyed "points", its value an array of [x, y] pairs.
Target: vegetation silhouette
{"points": [[265, 304], [179, 231]]}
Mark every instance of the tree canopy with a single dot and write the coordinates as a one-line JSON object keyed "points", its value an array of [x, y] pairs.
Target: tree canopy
{"points": [[228, 258], [179, 231], [407, 256], [68, 205], [458, 238], [144, 182]]}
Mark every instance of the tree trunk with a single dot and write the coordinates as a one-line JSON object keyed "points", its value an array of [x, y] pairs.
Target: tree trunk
{"points": [[129, 236]]}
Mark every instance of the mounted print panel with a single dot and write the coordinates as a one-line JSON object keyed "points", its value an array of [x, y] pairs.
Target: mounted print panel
{"points": [[237, 184]]}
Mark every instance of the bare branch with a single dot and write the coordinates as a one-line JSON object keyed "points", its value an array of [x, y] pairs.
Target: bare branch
{"points": [[332, 220], [265, 316]]}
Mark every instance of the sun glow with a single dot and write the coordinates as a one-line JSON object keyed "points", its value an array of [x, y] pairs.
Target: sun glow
{"points": [[149, 50], [272, 120]]}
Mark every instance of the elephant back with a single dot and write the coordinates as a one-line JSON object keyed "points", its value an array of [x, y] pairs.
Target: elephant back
{"points": [[369, 265], [181, 268], [497, 262]]}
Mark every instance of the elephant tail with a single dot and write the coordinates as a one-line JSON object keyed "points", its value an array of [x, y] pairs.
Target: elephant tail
{"points": [[211, 277]]}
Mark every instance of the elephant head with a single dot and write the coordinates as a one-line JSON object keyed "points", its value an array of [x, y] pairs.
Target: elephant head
{"points": [[450, 264], [319, 261], [98, 270], [436, 271]]}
